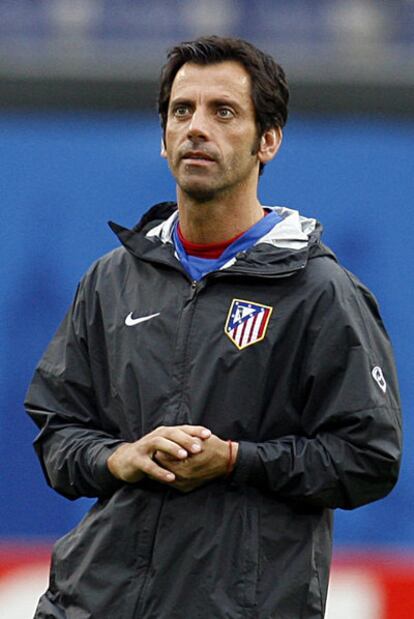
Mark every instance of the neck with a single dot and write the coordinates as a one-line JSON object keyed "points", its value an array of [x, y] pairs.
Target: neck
{"points": [[216, 220]]}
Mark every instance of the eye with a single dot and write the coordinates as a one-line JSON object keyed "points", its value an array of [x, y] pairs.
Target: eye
{"points": [[181, 110], [225, 112]]}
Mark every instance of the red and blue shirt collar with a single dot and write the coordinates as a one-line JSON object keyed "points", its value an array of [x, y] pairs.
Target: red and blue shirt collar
{"points": [[200, 259]]}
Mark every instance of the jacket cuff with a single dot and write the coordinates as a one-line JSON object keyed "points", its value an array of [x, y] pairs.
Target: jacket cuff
{"points": [[248, 468], [102, 475]]}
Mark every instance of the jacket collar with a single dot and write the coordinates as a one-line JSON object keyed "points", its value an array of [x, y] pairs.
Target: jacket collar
{"points": [[285, 249], [292, 232]]}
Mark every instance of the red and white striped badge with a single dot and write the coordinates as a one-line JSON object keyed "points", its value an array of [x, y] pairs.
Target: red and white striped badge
{"points": [[247, 322]]}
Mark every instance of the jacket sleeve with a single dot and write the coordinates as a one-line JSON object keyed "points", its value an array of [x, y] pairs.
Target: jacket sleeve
{"points": [[73, 444], [348, 451]]}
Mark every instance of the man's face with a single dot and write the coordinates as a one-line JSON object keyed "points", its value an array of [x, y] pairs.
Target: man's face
{"points": [[211, 134]]}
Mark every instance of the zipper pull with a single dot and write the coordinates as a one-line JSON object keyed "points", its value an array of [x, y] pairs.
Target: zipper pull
{"points": [[194, 288]]}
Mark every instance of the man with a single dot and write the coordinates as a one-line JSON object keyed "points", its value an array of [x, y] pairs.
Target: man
{"points": [[220, 383]]}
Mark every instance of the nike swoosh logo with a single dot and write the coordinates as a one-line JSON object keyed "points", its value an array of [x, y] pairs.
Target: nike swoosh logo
{"points": [[130, 322]]}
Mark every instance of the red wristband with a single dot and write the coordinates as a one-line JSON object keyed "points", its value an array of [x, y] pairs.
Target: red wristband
{"points": [[230, 460]]}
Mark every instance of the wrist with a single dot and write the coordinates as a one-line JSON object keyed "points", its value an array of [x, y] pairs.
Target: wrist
{"points": [[112, 461], [120, 467], [233, 448]]}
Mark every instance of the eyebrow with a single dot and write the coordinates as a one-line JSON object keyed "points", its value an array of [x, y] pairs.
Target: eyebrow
{"points": [[226, 101], [180, 101]]}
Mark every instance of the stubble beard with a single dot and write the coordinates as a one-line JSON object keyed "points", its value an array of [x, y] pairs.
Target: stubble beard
{"points": [[219, 187], [200, 194]]}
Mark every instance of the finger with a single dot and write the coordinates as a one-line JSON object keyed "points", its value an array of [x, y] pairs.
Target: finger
{"points": [[199, 431], [189, 468], [157, 472], [162, 457], [192, 444], [168, 446]]}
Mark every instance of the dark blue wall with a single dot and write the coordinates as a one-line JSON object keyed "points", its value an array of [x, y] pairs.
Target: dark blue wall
{"points": [[63, 176]]}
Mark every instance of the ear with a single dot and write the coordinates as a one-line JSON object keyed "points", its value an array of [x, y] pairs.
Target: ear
{"points": [[163, 151], [269, 144]]}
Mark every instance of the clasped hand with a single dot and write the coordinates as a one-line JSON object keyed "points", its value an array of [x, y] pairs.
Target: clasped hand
{"points": [[184, 457]]}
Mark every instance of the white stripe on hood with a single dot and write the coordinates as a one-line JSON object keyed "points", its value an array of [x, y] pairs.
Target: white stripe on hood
{"points": [[164, 230], [292, 232]]}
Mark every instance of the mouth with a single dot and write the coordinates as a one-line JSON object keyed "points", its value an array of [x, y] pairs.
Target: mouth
{"points": [[197, 157]]}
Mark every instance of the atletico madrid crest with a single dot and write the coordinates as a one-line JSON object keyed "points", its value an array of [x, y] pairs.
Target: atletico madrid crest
{"points": [[247, 322]]}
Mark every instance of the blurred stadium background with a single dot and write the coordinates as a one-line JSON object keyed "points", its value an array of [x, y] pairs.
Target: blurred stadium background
{"points": [[79, 144]]}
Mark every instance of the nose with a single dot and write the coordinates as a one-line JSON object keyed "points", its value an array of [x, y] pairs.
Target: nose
{"points": [[199, 125]]}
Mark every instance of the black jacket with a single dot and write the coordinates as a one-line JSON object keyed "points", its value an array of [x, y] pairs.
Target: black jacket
{"points": [[313, 402]]}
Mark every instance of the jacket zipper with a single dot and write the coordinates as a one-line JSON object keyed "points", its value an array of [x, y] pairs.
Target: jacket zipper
{"points": [[194, 288]]}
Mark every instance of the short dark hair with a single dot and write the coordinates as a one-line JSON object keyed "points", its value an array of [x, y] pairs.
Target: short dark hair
{"points": [[270, 92]]}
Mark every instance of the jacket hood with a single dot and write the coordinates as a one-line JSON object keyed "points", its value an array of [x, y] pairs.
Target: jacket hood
{"points": [[287, 246]]}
